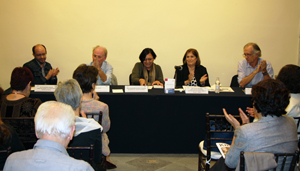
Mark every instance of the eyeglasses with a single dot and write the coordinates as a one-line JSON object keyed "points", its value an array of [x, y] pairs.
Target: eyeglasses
{"points": [[148, 59], [247, 54]]}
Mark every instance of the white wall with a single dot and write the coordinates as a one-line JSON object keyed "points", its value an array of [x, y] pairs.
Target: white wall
{"points": [[218, 29]]}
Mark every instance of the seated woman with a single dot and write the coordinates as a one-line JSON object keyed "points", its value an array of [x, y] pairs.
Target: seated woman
{"points": [[272, 133], [192, 72], [18, 103], [289, 76], [87, 78], [87, 131], [8, 138], [147, 72]]}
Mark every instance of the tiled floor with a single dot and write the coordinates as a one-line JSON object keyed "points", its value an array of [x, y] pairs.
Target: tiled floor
{"points": [[154, 162]]}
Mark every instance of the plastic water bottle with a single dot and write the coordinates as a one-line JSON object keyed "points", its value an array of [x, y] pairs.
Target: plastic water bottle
{"points": [[217, 85]]}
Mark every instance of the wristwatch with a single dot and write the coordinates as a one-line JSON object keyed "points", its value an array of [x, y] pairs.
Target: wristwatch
{"points": [[265, 73]]}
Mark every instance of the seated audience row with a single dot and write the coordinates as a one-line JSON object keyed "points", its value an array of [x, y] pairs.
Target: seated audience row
{"points": [[251, 70]]}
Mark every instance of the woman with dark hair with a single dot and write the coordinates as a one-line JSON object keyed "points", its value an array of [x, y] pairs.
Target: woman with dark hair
{"points": [[147, 72], [272, 132], [18, 103], [8, 138], [192, 72], [290, 76], [87, 78]]}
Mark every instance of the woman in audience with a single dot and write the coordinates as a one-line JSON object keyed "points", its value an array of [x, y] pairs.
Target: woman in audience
{"points": [[272, 133], [18, 103], [87, 131], [87, 78], [147, 72], [8, 138], [290, 76], [192, 72]]}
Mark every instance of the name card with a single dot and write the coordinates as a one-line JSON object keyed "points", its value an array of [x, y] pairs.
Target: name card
{"points": [[44, 88], [136, 89], [196, 90], [102, 88], [169, 85], [248, 91]]}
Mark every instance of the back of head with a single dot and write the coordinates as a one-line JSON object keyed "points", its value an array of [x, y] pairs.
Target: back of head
{"points": [[86, 76], [290, 76], [145, 52], [54, 118], [69, 92], [270, 97], [20, 77]]}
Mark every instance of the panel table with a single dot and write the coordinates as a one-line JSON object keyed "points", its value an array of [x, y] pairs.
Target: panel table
{"points": [[156, 122]]}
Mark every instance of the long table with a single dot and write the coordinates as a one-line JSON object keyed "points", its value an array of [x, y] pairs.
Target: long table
{"points": [[156, 122]]}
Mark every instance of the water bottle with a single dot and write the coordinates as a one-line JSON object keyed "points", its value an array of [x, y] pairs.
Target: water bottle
{"points": [[217, 85]]}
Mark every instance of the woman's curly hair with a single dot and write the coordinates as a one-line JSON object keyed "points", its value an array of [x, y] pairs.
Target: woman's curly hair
{"points": [[270, 97]]}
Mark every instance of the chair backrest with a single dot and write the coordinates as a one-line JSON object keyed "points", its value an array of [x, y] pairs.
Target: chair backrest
{"points": [[7, 151], [281, 157], [130, 81], [77, 152], [234, 81], [24, 126], [114, 80], [96, 116], [217, 124]]}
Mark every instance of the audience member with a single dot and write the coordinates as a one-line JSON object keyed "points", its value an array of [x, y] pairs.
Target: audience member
{"points": [[253, 69], [41, 70], [55, 126], [18, 103], [192, 72], [272, 133], [87, 131], [104, 68], [87, 77], [8, 138], [290, 76], [147, 72]]}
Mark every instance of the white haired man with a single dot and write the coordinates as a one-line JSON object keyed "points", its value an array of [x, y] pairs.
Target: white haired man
{"points": [[54, 126]]}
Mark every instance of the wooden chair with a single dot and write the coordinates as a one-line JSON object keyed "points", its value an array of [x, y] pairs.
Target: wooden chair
{"points": [[24, 127], [96, 116], [77, 152], [223, 129], [281, 157]]}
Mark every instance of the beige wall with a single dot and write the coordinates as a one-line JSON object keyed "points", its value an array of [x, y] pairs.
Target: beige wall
{"points": [[218, 29]]}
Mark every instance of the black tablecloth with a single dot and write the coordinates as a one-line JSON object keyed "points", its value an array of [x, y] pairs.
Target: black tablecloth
{"points": [[156, 122]]}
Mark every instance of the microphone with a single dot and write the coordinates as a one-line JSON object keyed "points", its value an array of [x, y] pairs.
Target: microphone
{"points": [[178, 67]]}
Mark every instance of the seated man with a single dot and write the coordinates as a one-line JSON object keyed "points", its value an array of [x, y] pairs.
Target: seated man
{"points": [[42, 71], [104, 68], [253, 69], [55, 126]]}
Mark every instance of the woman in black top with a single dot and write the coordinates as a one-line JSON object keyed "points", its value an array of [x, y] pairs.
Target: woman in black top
{"points": [[192, 73]]}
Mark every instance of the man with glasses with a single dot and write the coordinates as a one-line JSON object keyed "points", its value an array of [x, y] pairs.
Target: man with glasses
{"points": [[104, 68], [41, 70], [253, 69]]}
